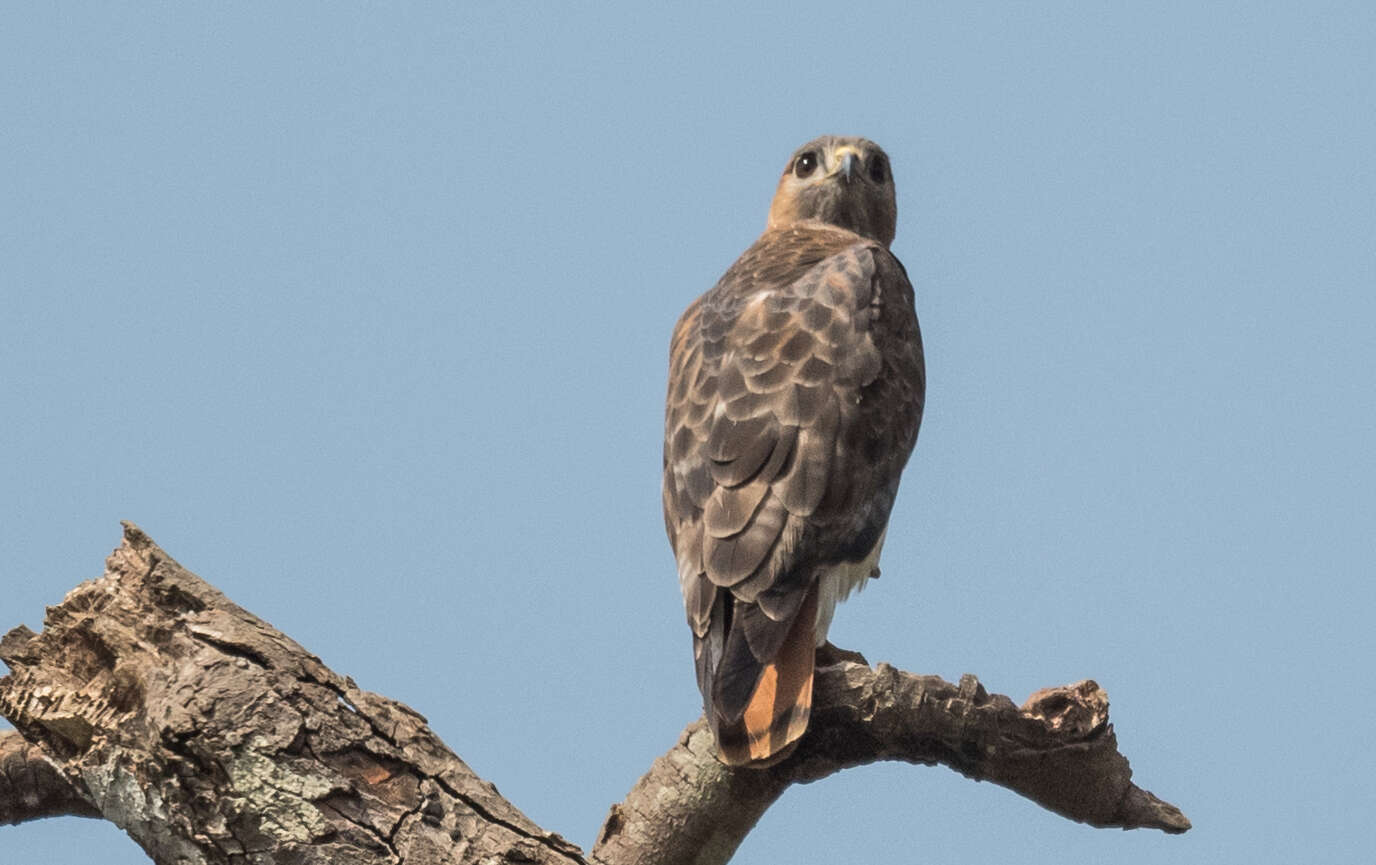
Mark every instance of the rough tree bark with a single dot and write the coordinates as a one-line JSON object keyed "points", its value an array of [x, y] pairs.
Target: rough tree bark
{"points": [[150, 699]]}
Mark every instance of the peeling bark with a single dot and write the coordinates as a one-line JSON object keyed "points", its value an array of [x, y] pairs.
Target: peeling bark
{"points": [[210, 737], [32, 788], [1058, 749], [151, 700]]}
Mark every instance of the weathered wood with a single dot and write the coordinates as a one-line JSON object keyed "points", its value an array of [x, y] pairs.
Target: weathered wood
{"points": [[154, 701], [210, 737], [1058, 749], [31, 787]]}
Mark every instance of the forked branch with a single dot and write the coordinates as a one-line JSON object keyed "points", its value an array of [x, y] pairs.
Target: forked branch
{"points": [[154, 701]]}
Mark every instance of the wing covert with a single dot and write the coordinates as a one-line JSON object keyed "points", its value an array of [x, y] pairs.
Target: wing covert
{"points": [[765, 375]]}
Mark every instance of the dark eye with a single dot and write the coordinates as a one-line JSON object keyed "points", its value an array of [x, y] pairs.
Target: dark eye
{"points": [[805, 164], [879, 169]]}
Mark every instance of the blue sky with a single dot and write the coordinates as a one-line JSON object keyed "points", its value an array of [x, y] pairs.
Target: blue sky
{"points": [[363, 312]]}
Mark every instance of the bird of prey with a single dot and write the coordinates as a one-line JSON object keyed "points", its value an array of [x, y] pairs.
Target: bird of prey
{"points": [[796, 387]]}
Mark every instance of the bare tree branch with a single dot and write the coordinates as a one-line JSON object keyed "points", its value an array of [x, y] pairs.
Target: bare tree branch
{"points": [[1058, 750], [209, 736], [32, 788]]}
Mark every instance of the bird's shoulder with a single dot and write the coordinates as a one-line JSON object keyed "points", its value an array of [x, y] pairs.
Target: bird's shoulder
{"points": [[781, 257], [790, 269]]}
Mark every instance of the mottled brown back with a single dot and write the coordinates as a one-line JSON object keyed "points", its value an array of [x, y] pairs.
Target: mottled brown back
{"points": [[795, 394]]}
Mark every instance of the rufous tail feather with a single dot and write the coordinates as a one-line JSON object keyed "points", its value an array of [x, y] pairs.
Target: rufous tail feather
{"points": [[776, 716]]}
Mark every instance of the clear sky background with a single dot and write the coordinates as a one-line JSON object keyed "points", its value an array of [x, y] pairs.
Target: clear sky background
{"points": [[362, 312]]}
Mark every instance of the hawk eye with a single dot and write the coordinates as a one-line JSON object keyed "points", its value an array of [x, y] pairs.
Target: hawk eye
{"points": [[878, 169], [805, 164]]}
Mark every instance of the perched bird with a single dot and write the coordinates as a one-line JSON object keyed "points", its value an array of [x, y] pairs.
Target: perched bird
{"points": [[796, 387]]}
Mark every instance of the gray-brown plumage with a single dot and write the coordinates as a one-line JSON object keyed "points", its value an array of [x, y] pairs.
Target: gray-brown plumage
{"points": [[795, 393]]}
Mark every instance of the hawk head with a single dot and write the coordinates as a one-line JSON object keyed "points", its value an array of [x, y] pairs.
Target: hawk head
{"points": [[841, 181]]}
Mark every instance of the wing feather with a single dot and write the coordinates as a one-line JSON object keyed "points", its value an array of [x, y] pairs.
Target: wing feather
{"points": [[779, 379]]}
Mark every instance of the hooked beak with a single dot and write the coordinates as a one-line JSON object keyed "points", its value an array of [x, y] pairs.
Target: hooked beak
{"points": [[847, 160]]}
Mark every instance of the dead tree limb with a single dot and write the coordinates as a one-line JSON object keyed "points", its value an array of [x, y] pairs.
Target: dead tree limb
{"points": [[152, 700], [209, 736], [32, 788], [1058, 750]]}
